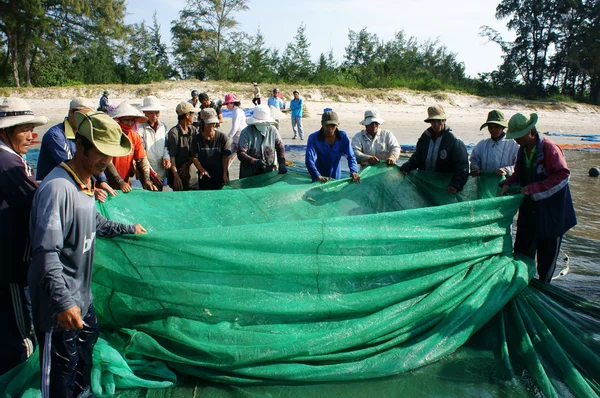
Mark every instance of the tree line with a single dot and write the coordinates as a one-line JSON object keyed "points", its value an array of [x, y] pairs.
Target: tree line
{"points": [[69, 42]]}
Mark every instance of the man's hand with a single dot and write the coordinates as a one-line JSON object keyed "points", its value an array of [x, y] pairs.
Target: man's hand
{"points": [[503, 190], [70, 319], [452, 190], [373, 160], [104, 185], [100, 194], [355, 177], [390, 162], [404, 172], [166, 163], [282, 169], [225, 177], [125, 187], [139, 230], [177, 184], [258, 163], [323, 179], [202, 173], [501, 172], [149, 186], [525, 191], [475, 172]]}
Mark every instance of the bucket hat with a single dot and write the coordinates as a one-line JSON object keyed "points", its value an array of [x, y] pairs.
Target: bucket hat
{"points": [[330, 117], [102, 131], [371, 116], [125, 109], [105, 93], [230, 98], [261, 115], [77, 104], [151, 104], [495, 117], [209, 116], [519, 125], [185, 107], [16, 112], [435, 112]]}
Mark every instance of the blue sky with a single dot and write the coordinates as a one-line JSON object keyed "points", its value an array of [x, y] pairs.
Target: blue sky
{"points": [[455, 23]]}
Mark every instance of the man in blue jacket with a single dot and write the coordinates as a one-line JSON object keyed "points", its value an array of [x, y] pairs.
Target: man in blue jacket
{"points": [[63, 226], [325, 149]]}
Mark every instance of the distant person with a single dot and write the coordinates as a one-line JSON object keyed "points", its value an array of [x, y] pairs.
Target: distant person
{"points": [[104, 105], [439, 150], [58, 145], [205, 103], [297, 112], [256, 97], [374, 143], [260, 148], [275, 101], [325, 149], [179, 143], [238, 120], [124, 167], [63, 227], [195, 101], [211, 150], [17, 187], [496, 154], [547, 212], [154, 137]]}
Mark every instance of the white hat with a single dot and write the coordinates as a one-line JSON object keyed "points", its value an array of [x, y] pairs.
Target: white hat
{"points": [[16, 112], [151, 104], [276, 113], [371, 116], [78, 104], [261, 115], [125, 109]]}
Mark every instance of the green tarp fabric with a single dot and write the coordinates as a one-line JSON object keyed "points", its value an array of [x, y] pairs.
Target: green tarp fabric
{"points": [[281, 286]]}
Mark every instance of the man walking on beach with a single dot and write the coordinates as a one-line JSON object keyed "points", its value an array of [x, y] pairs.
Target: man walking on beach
{"points": [[296, 106], [63, 226], [256, 98], [374, 143], [547, 212]]}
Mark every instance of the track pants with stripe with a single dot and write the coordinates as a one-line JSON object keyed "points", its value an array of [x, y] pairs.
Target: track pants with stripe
{"points": [[66, 358], [17, 339], [547, 251]]}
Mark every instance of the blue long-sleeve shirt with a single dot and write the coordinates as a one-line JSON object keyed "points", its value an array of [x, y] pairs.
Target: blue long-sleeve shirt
{"points": [[324, 160], [296, 107]]}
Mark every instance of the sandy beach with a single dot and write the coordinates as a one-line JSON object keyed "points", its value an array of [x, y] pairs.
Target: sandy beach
{"points": [[403, 110]]}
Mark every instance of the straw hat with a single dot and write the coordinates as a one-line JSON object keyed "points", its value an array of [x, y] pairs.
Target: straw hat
{"points": [[230, 98], [151, 104], [209, 116], [519, 125], [262, 115], [125, 109], [435, 112], [16, 112], [371, 116], [495, 117], [103, 132]]}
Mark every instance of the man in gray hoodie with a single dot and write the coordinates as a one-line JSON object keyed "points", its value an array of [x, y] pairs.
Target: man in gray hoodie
{"points": [[63, 227]]}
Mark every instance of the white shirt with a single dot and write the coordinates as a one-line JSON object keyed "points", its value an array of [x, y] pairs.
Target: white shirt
{"points": [[238, 123], [155, 146], [489, 155], [384, 146]]}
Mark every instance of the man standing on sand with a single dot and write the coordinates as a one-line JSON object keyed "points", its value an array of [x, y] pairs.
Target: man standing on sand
{"points": [[179, 143], [547, 212], [275, 101], [154, 137], [104, 106], [206, 103], [496, 154], [63, 226], [326, 147], [374, 143], [256, 98], [196, 104], [297, 112]]}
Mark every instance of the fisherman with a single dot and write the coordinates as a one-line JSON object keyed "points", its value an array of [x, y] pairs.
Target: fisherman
{"points": [[275, 101], [496, 154], [63, 226], [179, 144], [547, 212], [373, 143], [205, 103], [122, 167], [211, 150], [196, 104], [17, 187], [104, 106], [256, 97], [260, 148], [154, 137], [296, 106], [58, 145], [326, 147], [439, 150]]}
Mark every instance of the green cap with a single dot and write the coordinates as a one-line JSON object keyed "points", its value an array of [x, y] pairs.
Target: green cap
{"points": [[102, 131], [519, 125], [495, 117]]}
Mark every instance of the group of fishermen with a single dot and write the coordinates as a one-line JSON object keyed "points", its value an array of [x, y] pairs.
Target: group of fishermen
{"points": [[49, 223]]}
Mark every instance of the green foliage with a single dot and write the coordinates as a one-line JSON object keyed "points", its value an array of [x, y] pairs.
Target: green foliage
{"points": [[296, 65]]}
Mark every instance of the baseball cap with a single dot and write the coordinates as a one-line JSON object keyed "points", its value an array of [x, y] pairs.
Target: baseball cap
{"points": [[185, 107], [330, 117]]}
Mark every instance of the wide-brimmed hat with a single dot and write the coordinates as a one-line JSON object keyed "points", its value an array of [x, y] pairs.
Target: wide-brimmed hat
{"points": [[16, 112], [435, 112], [495, 117], [151, 104], [185, 107], [230, 98], [78, 104], [125, 109], [105, 93], [209, 116], [261, 115], [330, 117], [519, 125], [371, 116], [102, 131]]}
